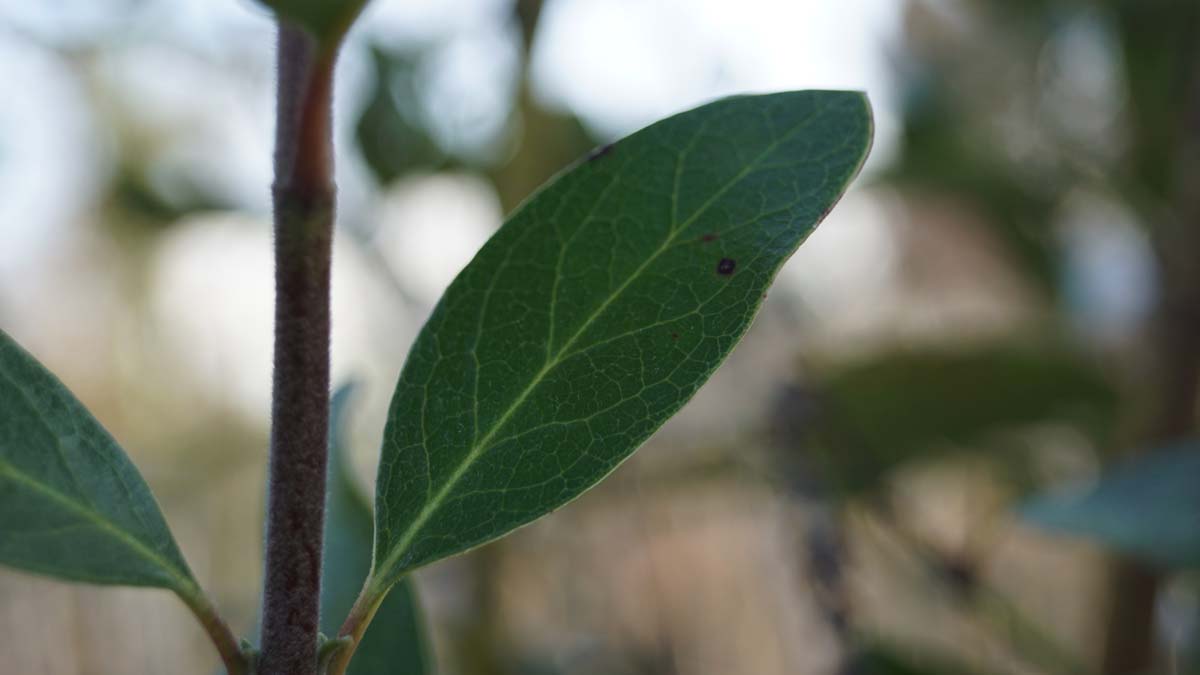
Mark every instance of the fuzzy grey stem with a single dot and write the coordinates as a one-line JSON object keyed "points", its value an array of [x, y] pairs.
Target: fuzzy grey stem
{"points": [[304, 210]]}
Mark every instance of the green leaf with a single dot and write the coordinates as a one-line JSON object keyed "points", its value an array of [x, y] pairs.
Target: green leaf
{"points": [[883, 658], [597, 311], [72, 505], [327, 20], [1148, 508], [899, 405], [945, 155], [395, 642], [390, 134]]}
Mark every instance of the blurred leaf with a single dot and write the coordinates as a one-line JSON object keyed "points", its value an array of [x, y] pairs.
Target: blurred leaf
{"points": [[551, 139], [395, 642], [72, 505], [145, 200], [881, 659], [597, 311], [1158, 40], [327, 20], [879, 412], [390, 133], [1148, 508], [943, 157]]}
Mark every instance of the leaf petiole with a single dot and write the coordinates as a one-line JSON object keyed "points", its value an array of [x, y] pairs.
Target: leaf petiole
{"points": [[237, 659]]}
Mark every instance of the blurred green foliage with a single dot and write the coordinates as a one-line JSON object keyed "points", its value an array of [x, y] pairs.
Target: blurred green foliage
{"points": [[885, 659], [1006, 121], [391, 134], [877, 413]]}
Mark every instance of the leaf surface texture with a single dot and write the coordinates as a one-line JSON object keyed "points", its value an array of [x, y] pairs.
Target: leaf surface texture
{"points": [[597, 311], [72, 505]]}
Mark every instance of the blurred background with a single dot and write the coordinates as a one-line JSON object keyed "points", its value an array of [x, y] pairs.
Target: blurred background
{"points": [[955, 441]]}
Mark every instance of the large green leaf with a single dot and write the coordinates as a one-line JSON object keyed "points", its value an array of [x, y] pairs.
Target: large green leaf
{"points": [[597, 311], [1148, 508], [395, 642], [72, 505]]}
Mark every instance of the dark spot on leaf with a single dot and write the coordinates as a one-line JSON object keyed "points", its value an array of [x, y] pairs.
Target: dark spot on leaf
{"points": [[599, 152], [708, 237], [674, 336], [726, 266]]}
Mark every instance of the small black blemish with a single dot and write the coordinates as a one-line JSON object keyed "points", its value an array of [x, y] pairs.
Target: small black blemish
{"points": [[726, 266], [710, 237], [599, 152], [674, 336]]}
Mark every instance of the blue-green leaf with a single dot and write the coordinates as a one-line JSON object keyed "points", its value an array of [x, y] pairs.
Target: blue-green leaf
{"points": [[72, 505], [1148, 508], [395, 642], [597, 311]]}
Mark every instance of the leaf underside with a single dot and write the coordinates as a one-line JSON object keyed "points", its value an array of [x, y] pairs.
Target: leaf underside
{"points": [[597, 311], [72, 505], [1147, 508], [395, 641]]}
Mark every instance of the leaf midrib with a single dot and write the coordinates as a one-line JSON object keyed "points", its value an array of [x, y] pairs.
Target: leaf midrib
{"points": [[185, 585], [483, 444], [133, 543]]}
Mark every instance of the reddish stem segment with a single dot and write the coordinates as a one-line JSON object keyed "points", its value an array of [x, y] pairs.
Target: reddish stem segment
{"points": [[304, 208]]}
